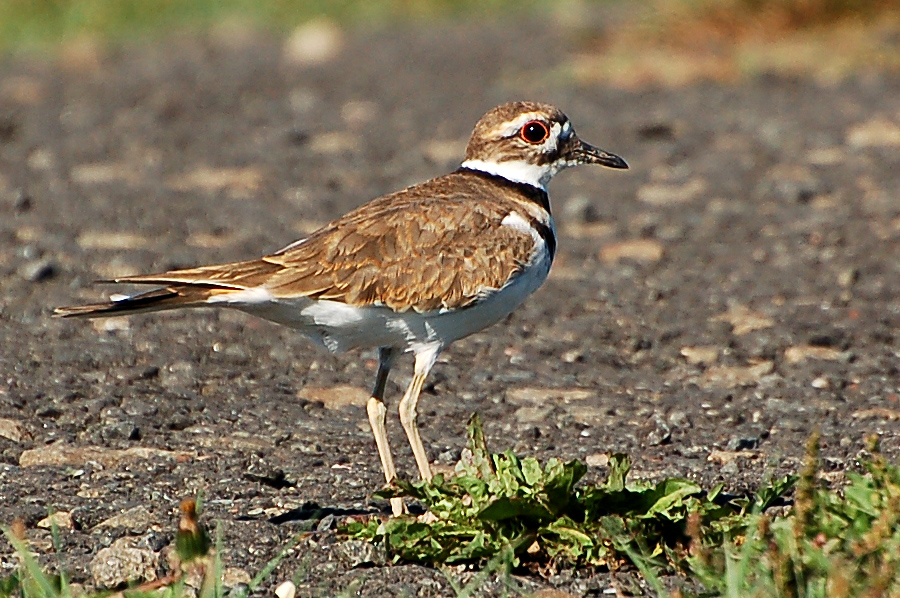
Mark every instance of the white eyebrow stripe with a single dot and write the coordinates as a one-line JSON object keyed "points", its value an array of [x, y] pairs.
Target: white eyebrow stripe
{"points": [[512, 127]]}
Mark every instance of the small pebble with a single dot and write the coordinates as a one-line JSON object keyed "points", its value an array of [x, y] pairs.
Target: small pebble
{"points": [[286, 589], [39, 271], [821, 383]]}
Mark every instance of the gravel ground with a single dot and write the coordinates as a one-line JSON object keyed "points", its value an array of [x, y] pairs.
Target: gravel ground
{"points": [[709, 308]]}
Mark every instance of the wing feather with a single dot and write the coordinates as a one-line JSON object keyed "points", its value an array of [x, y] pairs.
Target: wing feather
{"points": [[441, 252], [434, 248]]}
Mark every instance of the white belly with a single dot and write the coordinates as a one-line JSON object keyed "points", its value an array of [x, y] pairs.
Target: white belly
{"points": [[340, 327]]}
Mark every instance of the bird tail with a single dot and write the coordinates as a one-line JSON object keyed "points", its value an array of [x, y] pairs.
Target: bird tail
{"points": [[171, 297]]}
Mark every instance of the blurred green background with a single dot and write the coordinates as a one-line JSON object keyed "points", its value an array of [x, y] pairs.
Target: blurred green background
{"points": [[631, 42], [43, 24], [29, 24]]}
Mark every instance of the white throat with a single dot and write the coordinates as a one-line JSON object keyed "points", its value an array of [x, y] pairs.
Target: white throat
{"points": [[517, 171]]}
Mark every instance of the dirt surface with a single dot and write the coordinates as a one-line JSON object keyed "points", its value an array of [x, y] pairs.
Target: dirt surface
{"points": [[709, 308]]}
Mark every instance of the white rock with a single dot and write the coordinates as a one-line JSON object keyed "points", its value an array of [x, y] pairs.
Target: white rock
{"points": [[122, 563], [286, 589], [336, 397], [667, 194], [13, 430], [639, 250], [62, 519], [315, 42], [878, 132]]}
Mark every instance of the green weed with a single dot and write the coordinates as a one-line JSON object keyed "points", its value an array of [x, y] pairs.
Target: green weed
{"points": [[841, 543], [835, 544], [500, 502]]}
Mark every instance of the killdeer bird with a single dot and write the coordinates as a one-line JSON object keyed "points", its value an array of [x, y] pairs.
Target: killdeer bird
{"points": [[408, 272]]}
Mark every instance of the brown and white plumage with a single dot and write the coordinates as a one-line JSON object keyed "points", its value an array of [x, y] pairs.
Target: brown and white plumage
{"points": [[411, 271]]}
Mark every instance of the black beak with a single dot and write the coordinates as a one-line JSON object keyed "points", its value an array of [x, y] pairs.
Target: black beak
{"points": [[585, 153]]}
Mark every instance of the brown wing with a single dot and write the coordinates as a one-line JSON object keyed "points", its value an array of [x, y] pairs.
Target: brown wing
{"points": [[441, 252], [424, 248]]}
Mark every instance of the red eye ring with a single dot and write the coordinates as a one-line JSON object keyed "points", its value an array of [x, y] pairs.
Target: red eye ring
{"points": [[534, 131]]}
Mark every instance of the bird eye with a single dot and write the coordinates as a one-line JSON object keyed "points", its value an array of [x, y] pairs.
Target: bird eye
{"points": [[534, 132]]}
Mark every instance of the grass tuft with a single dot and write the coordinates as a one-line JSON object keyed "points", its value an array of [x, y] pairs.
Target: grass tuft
{"points": [[502, 509], [500, 502], [834, 543]]}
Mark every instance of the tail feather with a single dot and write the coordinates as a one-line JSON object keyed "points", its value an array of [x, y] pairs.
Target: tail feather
{"points": [[235, 276], [155, 300]]}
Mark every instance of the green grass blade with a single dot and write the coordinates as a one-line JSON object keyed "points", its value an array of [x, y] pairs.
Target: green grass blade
{"points": [[32, 568]]}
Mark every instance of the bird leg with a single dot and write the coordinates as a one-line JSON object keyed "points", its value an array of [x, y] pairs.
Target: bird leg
{"points": [[408, 419], [377, 413], [424, 360]]}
